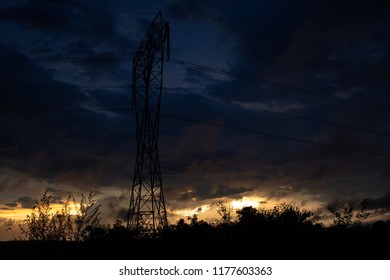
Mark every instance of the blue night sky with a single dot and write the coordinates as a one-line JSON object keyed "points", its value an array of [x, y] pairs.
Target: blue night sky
{"points": [[305, 120]]}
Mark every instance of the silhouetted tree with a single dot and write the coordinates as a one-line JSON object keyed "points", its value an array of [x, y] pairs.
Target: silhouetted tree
{"points": [[87, 218], [343, 216], [224, 211], [247, 215], [268, 221], [42, 224], [290, 215]]}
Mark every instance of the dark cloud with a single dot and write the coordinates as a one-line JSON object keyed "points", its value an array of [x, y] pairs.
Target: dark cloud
{"points": [[122, 214], [26, 202], [196, 77], [379, 202], [11, 204], [51, 140], [83, 30], [59, 195], [186, 195], [88, 20], [83, 150], [36, 15], [51, 189], [298, 44]]}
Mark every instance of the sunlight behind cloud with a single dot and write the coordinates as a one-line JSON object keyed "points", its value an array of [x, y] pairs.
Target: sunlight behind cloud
{"points": [[246, 202], [189, 212]]}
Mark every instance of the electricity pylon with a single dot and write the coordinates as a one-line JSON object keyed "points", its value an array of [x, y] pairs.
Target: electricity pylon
{"points": [[147, 205]]}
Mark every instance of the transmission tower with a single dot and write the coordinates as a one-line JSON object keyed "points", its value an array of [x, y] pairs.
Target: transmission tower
{"points": [[147, 205]]}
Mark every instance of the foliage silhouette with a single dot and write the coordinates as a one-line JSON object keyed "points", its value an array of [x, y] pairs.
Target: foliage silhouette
{"points": [[281, 215], [41, 223], [285, 231], [224, 211], [87, 217], [343, 216], [66, 225]]}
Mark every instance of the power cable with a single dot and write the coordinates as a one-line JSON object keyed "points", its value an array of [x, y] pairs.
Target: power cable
{"points": [[65, 87], [66, 59], [234, 128], [285, 86], [220, 100], [289, 115], [301, 117], [276, 135], [291, 88], [55, 111]]}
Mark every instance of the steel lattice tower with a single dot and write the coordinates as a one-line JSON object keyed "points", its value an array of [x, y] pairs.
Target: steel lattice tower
{"points": [[147, 205]]}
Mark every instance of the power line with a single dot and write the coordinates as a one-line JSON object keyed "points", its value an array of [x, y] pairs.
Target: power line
{"points": [[146, 14], [289, 115], [220, 100], [301, 117], [66, 59], [291, 88], [55, 111], [288, 87], [202, 67], [234, 128], [65, 87], [276, 136]]}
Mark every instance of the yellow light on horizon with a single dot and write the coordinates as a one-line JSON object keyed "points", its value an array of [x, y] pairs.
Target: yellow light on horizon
{"points": [[245, 202], [21, 213], [190, 212], [15, 214]]}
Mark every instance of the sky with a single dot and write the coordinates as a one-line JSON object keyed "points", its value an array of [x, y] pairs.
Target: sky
{"points": [[290, 103]]}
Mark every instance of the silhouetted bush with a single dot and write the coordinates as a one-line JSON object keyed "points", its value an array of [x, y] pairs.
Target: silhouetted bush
{"points": [[345, 217], [45, 225]]}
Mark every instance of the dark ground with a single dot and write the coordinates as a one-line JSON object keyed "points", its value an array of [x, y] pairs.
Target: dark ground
{"points": [[277, 247]]}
